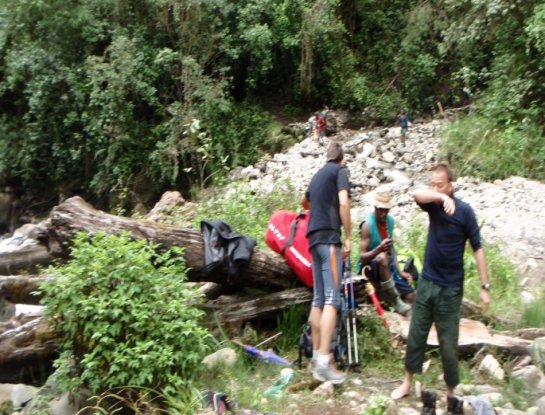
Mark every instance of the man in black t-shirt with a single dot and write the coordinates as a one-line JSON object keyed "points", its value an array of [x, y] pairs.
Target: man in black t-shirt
{"points": [[327, 198], [440, 287]]}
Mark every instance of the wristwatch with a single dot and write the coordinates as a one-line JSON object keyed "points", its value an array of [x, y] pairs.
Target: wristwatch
{"points": [[486, 286]]}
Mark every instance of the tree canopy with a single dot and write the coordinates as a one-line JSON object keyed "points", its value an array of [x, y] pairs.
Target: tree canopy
{"points": [[119, 96]]}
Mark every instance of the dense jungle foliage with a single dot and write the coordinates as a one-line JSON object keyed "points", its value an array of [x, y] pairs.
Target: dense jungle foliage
{"points": [[118, 97]]}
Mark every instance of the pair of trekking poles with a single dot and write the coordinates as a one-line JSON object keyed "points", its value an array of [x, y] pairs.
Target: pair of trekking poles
{"points": [[350, 318]]}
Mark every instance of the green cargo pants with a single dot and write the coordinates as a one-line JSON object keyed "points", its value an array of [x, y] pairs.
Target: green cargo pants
{"points": [[439, 305]]}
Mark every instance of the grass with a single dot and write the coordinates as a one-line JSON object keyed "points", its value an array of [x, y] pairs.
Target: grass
{"points": [[517, 393], [533, 313], [290, 322], [478, 147]]}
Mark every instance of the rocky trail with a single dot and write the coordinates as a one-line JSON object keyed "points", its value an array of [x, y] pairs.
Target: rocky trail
{"points": [[511, 215]]}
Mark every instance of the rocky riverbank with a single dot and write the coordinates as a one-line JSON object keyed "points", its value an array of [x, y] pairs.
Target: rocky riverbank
{"points": [[510, 210]]}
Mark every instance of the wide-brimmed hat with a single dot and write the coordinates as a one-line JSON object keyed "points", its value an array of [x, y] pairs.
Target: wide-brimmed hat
{"points": [[383, 200]]}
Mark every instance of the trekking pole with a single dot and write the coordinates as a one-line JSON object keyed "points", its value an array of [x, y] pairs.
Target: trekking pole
{"points": [[347, 324], [354, 315]]}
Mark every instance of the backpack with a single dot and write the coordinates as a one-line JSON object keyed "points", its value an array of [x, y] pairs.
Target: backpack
{"points": [[337, 347], [287, 235]]}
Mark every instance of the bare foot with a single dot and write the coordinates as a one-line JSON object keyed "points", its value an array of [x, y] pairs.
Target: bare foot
{"points": [[401, 392]]}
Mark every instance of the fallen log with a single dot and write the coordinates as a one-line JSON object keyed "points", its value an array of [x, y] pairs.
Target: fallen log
{"points": [[266, 270], [20, 289], [24, 347], [24, 341], [237, 312], [27, 258], [474, 311], [473, 336]]}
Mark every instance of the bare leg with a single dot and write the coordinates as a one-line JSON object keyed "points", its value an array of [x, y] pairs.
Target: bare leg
{"points": [[409, 298], [405, 387], [384, 266], [315, 326], [450, 390], [327, 326]]}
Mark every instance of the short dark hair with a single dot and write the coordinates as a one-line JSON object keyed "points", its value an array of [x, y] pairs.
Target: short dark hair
{"points": [[335, 152], [443, 166]]}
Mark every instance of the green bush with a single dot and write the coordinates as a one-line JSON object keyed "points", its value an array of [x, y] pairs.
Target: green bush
{"points": [[125, 315]]}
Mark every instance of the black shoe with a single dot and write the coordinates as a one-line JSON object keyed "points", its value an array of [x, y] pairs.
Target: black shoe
{"points": [[429, 399], [455, 405]]}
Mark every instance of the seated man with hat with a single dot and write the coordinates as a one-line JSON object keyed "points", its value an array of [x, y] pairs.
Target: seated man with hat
{"points": [[377, 250]]}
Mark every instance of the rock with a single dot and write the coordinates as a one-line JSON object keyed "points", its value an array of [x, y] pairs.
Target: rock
{"points": [[408, 158], [165, 206], [391, 408], [540, 403], [429, 156], [408, 411], [250, 172], [63, 405], [22, 237], [18, 394], [225, 356], [533, 378], [388, 157], [468, 389], [351, 394], [492, 367], [538, 352], [368, 150]]}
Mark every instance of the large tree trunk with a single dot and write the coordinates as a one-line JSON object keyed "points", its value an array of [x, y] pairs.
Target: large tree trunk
{"points": [[20, 289], [24, 341], [266, 269], [27, 258], [241, 310], [26, 346]]}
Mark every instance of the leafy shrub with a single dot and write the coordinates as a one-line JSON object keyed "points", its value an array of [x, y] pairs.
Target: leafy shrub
{"points": [[239, 131], [125, 315]]}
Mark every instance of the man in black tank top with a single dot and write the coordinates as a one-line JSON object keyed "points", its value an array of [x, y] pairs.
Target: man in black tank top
{"points": [[327, 198]]}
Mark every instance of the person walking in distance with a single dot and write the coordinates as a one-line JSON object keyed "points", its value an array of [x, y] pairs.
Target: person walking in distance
{"points": [[438, 300], [321, 125], [327, 197], [403, 120]]}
